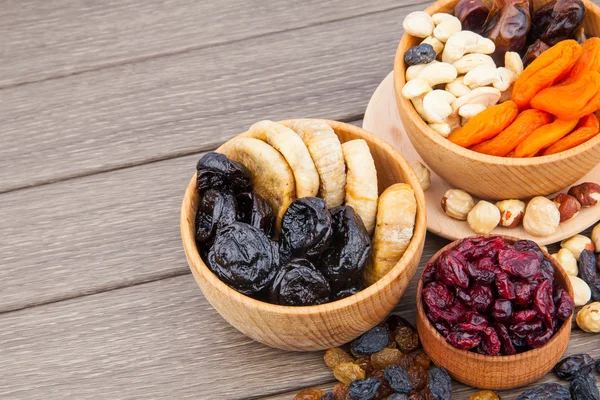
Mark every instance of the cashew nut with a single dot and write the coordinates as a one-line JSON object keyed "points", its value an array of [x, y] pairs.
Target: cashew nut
{"points": [[443, 129], [445, 26], [436, 73], [454, 121], [413, 71], [415, 88], [418, 23], [417, 103], [464, 121], [435, 43], [507, 77], [463, 42], [468, 111], [470, 61], [482, 75], [505, 96], [513, 62], [485, 96], [457, 87], [436, 105]]}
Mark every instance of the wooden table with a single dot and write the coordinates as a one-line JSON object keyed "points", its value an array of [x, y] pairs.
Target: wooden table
{"points": [[105, 108]]}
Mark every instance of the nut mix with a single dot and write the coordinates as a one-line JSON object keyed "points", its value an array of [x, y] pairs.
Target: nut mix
{"points": [[262, 231], [384, 363], [492, 297]]}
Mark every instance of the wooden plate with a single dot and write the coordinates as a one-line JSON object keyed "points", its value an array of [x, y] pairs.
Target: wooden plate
{"points": [[382, 119]]}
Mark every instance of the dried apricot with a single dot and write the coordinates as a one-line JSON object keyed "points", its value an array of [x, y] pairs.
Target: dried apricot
{"points": [[544, 137], [586, 128], [589, 60]]}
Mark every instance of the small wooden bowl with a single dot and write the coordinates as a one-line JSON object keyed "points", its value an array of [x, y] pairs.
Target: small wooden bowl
{"points": [[327, 325], [486, 176], [493, 372]]}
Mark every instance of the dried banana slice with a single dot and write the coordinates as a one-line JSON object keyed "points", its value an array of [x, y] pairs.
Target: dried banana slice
{"points": [[271, 175], [396, 214], [288, 143], [361, 181], [326, 151]]}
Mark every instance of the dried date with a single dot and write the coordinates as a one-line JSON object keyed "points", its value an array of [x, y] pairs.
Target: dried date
{"points": [[533, 51], [472, 14], [557, 21], [507, 25]]}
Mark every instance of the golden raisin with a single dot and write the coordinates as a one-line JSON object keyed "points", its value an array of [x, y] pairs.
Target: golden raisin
{"points": [[484, 395], [340, 391], [423, 360], [385, 357], [310, 394], [347, 372], [407, 339], [336, 356], [418, 376]]}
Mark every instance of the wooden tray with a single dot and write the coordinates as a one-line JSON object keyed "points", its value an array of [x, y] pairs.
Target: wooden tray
{"points": [[381, 118]]}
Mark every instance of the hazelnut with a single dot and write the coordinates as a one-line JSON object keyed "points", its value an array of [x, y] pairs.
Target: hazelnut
{"points": [[596, 237], [582, 291], [511, 212], [423, 174], [568, 206], [588, 318], [457, 203], [541, 217], [567, 261], [577, 244], [484, 217], [587, 193]]}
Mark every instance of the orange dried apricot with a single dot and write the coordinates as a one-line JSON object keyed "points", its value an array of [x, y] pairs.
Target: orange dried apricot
{"points": [[589, 60], [586, 129], [544, 136]]}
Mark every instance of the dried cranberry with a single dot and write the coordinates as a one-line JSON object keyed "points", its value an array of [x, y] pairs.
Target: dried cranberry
{"points": [[442, 327], [564, 305], [505, 340], [547, 270], [523, 316], [490, 343], [502, 310], [464, 340], [464, 296], [530, 246], [505, 287], [542, 301], [483, 297], [474, 322], [429, 273], [437, 295], [519, 264], [454, 314], [452, 269], [519, 343], [522, 329], [483, 270], [524, 292], [538, 339], [479, 247]]}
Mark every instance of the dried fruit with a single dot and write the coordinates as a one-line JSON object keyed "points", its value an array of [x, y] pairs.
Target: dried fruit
{"points": [[256, 211], [407, 339], [472, 14], [543, 302], [340, 391], [335, 356], [440, 384], [567, 205], [423, 360], [588, 194], [564, 304], [589, 60], [557, 20], [588, 318], [546, 391], [398, 379], [485, 125], [310, 394], [347, 372], [584, 387], [370, 342], [541, 217], [534, 51], [306, 229], [421, 54], [437, 295], [588, 265], [582, 291], [483, 270], [482, 297], [452, 269], [506, 342], [519, 264], [298, 283], [507, 25], [576, 244], [524, 292], [398, 396], [418, 377], [586, 128], [502, 310], [545, 136], [484, 217], [464, 340], [551, 66], [216, 210], [364, 362], [385, 357], [457, 204], [484, 395], [216, 171], [505, 287], [328, 396], [570, 366], [364, 389]]}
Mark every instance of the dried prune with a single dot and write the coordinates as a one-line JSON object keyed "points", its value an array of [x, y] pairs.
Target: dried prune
{"points": [[595, 288], [472, 14], [242, 256], [507, 25], [557, 21], [464, 340], [483, 270], [564, 305], [542, 301], [474, 322], [335, 356], [523, 316], [428, 273], [298, 283], [506, 343], [569, 367], [440, 384], [216, 210], [482, 296], [490, 343], [437, 295], [306, 229], [310, 394], [256, 211], [216, 171], [347, 372], [546, 391], [519, 264], [505, 287], [452, 269], [502, 310], [385, 357], [407, 339], [418, 377], [363, 389], [538, 339], [583, 387], [370, 342], [346, 292], [523, 329], [598, 365], [421, 54], [533, 51], [588, 266], [344, 260], [340, 391], [398, 379]]}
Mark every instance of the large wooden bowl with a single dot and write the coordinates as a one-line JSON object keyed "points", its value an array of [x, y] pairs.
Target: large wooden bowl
{"points": [[323, 326], [488, 176], [493, 372]]}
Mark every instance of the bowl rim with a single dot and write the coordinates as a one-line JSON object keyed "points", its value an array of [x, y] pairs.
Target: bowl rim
{"points": [[198, 267], [400, 80], [566, 325]]}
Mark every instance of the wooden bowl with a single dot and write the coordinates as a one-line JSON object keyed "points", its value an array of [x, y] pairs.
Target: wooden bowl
{"points": [[493, 372], [486, 176], [327, 325]]}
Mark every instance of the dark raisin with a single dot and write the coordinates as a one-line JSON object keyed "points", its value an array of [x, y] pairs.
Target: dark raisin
{"points": [[542, 301], [502, 310], [464, 340], [452, 269], [306, 227], [421, 54], [298, 283], [340, 391], [423, 360], [418, 376], [216, 171], [564, 305], [370, 342], [598, 366], [595, 288], [588, 266], [506, 343], [483, 270], [546, 391], [437, 295], [407, 339], [482, 296], [364, 362], [255, 211], [583, 387], [570, 366], [364, 389], [398, 379], [519, 264], [490, 343], [384, 390], [440, 384]]}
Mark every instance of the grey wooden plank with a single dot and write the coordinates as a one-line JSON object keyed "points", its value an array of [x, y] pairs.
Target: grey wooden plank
{"points": [[190, 102], [48, 39]]}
